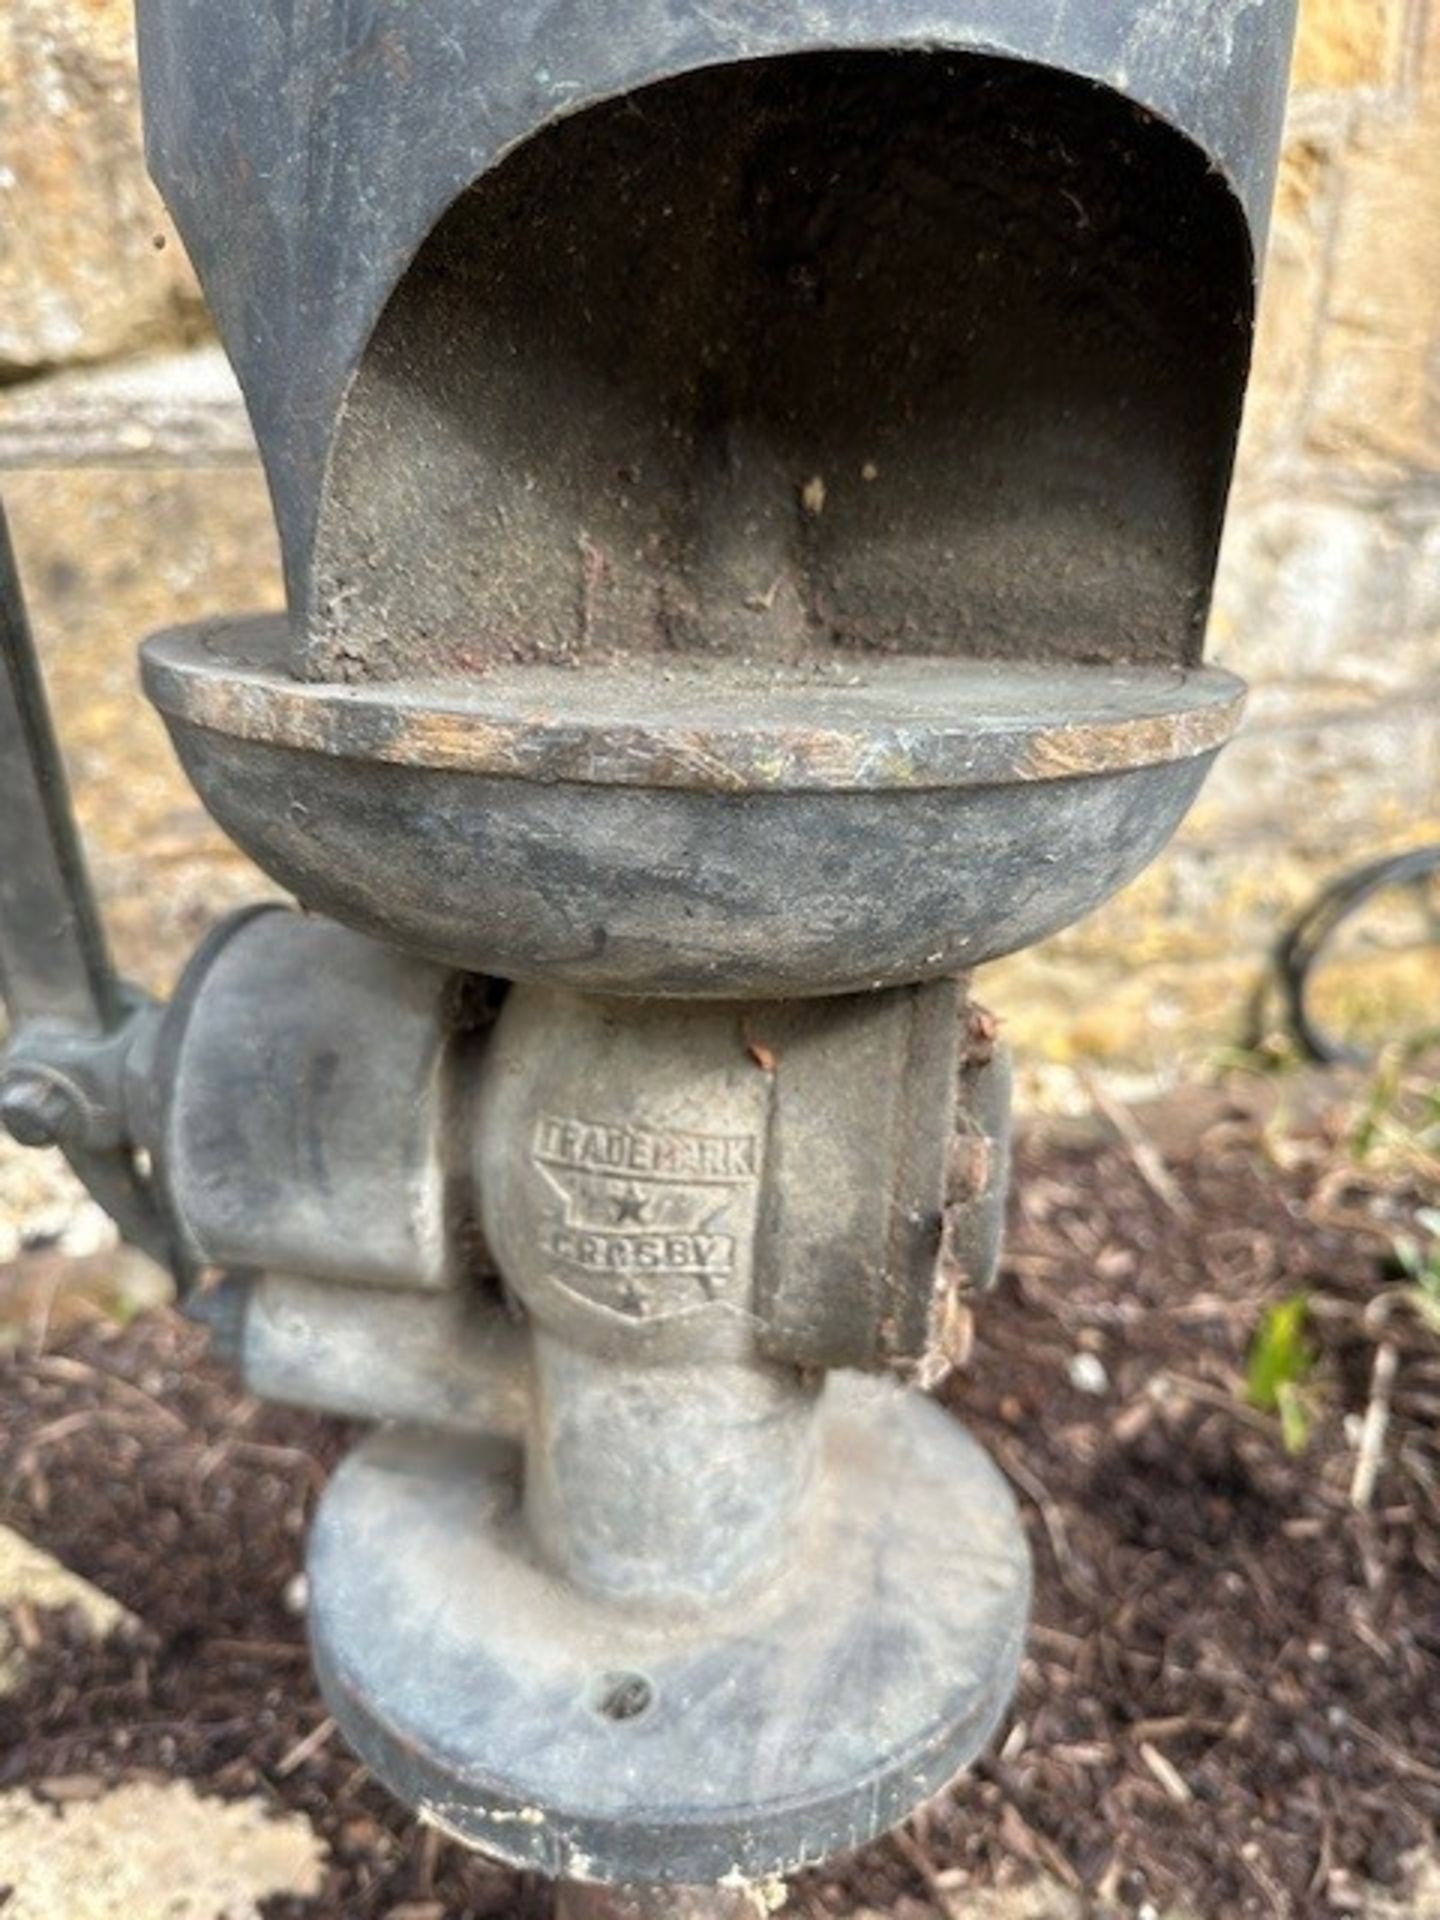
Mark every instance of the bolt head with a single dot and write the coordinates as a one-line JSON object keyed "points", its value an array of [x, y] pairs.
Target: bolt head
{"points": [[35, 1111]]}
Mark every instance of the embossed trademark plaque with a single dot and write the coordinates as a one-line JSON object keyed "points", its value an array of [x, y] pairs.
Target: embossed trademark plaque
{"points": [[652, 1221]]}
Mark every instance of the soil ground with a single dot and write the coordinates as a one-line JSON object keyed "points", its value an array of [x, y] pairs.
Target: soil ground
{"points": [[1231, 1704]]}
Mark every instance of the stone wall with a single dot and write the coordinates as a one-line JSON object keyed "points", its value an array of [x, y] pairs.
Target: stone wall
{"points": [[136, 500], [126, 464], [1328, 600]]}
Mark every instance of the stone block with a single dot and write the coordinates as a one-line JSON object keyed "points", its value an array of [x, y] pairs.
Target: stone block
{"points": [[90, 265], [1328, 595], [108, 555], [1291, 305], [165, 409], [1347, 44], [1376, 403], [1326, 790], [153, 1850], [33, 1579], [1162, 979]]}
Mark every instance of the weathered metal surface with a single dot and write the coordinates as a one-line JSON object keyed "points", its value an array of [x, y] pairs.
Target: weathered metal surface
{"points": [[608, 1742], [88, 1071], [977, 1167], [268, 129], [723, 831], [306, 1118], [729, 727], [454, 1362], [640, 396], [620, 1156], [36, 1111], [749, 486], [847, 1267], [667, 1487], [681, 892], [680, 1182], [662, 1183], [688, 1493], [659, 511]]}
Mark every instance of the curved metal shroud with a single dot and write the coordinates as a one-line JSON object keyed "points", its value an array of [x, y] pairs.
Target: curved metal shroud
{"points": [[308, 148]]}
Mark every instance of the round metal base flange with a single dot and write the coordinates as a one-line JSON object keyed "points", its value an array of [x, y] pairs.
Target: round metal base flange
{"points": [[597, 1742]]}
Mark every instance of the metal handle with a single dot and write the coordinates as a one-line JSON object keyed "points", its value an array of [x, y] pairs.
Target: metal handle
{"points": [[63, 998], [54, 967]]}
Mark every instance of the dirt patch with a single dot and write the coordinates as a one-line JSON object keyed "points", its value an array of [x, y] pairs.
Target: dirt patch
{"points": [[32, 1582], [1231, 1704]]}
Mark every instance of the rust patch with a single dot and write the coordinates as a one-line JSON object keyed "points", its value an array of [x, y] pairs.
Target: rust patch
{"points": [[1073, 752], [908, 725]]}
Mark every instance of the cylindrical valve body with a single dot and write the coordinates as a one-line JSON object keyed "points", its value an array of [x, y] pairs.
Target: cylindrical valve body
{"points": [[673, 1481], [701, 1210]]}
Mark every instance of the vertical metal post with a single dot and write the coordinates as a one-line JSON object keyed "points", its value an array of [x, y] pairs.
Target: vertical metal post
{"points": [[671, 1485], [55, 971], [53, 961]]}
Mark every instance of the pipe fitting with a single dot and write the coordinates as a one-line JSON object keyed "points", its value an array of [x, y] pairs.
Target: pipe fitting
{"points": [[770, 1179], [37, 1108]]}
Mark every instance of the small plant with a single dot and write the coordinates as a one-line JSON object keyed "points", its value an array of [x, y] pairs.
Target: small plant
{"points": [[1419, 1260], [1278, 1366], [1397, 1121]]}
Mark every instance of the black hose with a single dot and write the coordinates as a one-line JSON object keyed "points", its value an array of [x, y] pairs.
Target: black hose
{"points": [[1302, 946]]}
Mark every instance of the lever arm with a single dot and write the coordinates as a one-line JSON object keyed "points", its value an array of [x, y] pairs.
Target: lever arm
{"points": [[60, 991], [53, 961]]}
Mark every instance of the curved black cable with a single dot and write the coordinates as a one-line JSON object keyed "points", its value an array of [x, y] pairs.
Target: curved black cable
{"points": [[1303, 944]]}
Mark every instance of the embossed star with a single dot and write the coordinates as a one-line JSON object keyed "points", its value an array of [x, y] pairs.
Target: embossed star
{"points": [[630, 1205]]}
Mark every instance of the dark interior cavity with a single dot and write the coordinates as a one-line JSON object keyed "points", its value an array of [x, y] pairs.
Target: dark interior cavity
{"points": [[848, 353]]}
